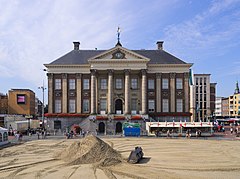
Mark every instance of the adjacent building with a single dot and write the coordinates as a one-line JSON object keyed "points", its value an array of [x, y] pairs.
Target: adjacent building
{"points": [[219, 107], [225, 107], [21, 101], [117, 85], [203, 94], [234, 102], [3, 103], [38, 107]]}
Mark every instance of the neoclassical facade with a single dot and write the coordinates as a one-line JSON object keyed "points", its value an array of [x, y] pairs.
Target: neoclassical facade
{"points": [[152, 84]]}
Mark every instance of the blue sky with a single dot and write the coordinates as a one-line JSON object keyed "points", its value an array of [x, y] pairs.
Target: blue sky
{"points": [[32, 33]]}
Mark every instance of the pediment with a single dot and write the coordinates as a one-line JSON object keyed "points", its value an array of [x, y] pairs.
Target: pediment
{"points": [[118, 53]]}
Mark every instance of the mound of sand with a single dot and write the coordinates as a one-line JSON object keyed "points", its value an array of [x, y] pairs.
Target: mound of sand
{"points": [[91, 150]]}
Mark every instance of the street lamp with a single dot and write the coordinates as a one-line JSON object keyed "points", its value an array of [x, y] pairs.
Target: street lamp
{"points": [[43, 89]]}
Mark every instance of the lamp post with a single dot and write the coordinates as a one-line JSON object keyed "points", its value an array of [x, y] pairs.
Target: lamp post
{"points": [[43, 89]]}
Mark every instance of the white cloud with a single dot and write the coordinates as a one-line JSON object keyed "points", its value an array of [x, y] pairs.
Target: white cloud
{"points": [[207, 31], [37, 32]]}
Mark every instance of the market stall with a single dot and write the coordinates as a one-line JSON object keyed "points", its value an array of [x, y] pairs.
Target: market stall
{"points": [[3, 136]]}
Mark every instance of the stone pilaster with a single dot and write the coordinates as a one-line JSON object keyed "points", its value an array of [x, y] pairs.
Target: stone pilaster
{"points": [[144, 91], [186, 92], [159, 90], [50, 92], [93, 91], [110, 91], [172, 91], [126, 92], [64, 93], [79, 92]]}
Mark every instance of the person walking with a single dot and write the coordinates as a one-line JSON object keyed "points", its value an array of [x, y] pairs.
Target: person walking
{"points": [[38, 135]]}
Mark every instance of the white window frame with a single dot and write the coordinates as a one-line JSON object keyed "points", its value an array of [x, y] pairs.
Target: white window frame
{"points": [[72, 84], [72, 106], [179, 83], [151, 105], [103, 83], [134, 103], [134, 83], [103, 104], [118, 83], [165, 83], [58, 106], [86, 84], [165, 105], [179, 105], [86, 105], [58, 84], [151, 84]]}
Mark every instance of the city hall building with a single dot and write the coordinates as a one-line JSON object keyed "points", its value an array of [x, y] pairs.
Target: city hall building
{"points": [[102, 89]]}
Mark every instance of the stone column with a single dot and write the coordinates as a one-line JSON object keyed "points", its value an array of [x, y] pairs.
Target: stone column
{"points": [[79, 92], [186, 92], [159, 90], [64, 93], [126, 91], [50, 92], [93, 91], [110, 91], [172, 92], [144, 91]]}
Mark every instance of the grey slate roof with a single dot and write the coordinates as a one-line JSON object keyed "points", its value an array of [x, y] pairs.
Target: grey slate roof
{"points": [[76, 57]]}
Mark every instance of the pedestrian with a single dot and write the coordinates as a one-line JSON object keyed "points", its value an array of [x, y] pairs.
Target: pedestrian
{"points": [[231, 130], [236, 130], [168, 133], [42, 134], [20, 136], [38, 135], [196, 133], [17, 135]]}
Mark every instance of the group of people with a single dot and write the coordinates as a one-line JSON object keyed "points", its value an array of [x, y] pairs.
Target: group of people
{"points": [[236, 130]]}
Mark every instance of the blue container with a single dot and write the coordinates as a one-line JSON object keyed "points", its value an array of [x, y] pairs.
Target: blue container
{"points": [[131, 131]]}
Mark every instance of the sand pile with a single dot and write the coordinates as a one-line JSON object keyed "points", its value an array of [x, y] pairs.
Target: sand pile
{"points": [[91, 150]]}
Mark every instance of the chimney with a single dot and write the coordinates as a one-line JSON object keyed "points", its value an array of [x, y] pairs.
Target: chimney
{"points": [[160, 45], [76, 45]]}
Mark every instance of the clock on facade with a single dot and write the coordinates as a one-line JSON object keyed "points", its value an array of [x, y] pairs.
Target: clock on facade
{"points": [[119, 55]]}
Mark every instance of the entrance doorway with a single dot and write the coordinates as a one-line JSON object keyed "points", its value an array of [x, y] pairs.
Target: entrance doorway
{"points": [[101, 128], [57, 125], [118, 128], [118, 106]]}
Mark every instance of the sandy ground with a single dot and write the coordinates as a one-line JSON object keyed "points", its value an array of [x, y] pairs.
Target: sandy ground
{"points": [[164, 158]]}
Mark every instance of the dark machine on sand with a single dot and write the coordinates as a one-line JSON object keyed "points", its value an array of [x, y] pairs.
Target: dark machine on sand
{"points": [[135, 155]]}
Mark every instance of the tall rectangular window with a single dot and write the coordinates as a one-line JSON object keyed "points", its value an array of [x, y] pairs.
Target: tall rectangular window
{"points": [[58, 84], [86, 84], [86, 105], [103, 84], [72, 83], [134, 104], [118, 83], [58, 106], [134, 83], [151, 84], [72, 106], [165, 105], [151, 105], [179, 105], [165, 83], [103, 104], [179, 84]]}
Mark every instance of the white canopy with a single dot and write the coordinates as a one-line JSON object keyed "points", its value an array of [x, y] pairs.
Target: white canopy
{"points": [[3, 129]]}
